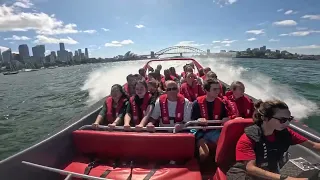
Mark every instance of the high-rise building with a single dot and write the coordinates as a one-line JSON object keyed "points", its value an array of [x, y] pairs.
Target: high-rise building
{"points": [[7, 56], [38, 51], [86, 53], [263, 48], [62, 47], [1, 56], [53, 53], [82, 56], [79, 50], [70, 56], [24, 51]]}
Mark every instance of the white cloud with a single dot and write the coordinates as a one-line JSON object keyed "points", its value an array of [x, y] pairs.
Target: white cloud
{"points": [[252, 39], [47, 52], [216, 41], [12, 19], [257, 32], [290, 12], [279, 10], [23, 4], [285, 23], [274, 40], [118, 43], [263, 23], [228, 41], [90, 31], [2, 48], [300, 33], [139, 26], [308, 49], [217, 47], [311, 17], [227, 45], [41, 39], [188, 43], [17, 38], [224, 2], [104, 29]]}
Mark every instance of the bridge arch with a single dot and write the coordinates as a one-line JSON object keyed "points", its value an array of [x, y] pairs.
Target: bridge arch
{"points": [[179, 49]]}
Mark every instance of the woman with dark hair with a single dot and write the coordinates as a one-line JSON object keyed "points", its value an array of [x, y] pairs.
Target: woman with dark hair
{"points": [[113, 109], [139, 107], [261, 148]]}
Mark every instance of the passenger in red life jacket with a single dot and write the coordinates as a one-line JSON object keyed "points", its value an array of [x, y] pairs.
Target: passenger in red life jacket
{"points": [[173, 73], [142, 73], [153, 88], [201, 73], [183, 74], [129, 86], [114, 108], [191, 89], [262, 147], [242, 103], [223, 88], [209, 107], [171, 109], [140, 107]]}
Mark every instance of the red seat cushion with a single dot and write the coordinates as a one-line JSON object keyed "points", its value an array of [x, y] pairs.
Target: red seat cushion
{"points": [[133, 146], [190, 170], [220, 175], [230, 134]]}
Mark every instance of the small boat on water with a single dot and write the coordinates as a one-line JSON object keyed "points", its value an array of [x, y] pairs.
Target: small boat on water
{"points": [[78, 152], [10, 72]]}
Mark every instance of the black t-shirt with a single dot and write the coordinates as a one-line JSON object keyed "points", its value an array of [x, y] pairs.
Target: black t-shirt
{"points": [[139, 102], [196, 111], [121, 113]]}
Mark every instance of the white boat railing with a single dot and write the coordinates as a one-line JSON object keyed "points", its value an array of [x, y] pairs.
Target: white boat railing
{"points": [[69, 174], [175, 129]]}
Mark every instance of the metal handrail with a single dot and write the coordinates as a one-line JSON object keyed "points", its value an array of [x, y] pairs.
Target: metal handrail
{"points": [[173, 129], [69, 174], [198, 122], [308, 135]]}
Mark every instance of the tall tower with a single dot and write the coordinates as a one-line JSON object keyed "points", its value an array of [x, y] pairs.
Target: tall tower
{"points": [[24, 51], [62, 48], [86, 53]]}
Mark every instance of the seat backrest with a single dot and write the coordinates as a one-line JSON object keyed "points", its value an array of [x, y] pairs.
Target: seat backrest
{"points": [[135, 146], [230, 134]]}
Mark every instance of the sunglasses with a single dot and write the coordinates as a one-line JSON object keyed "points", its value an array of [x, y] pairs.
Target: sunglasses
{"points": [[171, 89], [284, 120]]}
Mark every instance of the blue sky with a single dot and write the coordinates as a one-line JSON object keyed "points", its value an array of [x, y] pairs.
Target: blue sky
{"points": [[112, 27]]}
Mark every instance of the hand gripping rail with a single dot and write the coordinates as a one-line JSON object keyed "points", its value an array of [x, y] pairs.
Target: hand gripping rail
{"points": [[173, 129], [67, 173]]}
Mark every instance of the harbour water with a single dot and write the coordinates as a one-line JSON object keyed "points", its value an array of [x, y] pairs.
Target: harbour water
{"points": [[33, 104]]}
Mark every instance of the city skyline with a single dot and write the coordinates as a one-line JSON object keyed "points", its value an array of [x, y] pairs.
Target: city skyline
{"points": [[109, 28]]}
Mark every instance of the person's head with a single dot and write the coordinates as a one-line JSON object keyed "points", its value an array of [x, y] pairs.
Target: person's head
{"points": [[191, 65], [272, 114], [151, 76], [190, 77], [152, 86], [150, 69], [237, 89], [141, 88], [212, 87], [172, 89], [211, 75], [206, 70], [130, 79], [166, 72], [157, 74], [159, 67], [185, 68], [117, 92], [189, 69], [142, 72], [172, 70], [201, 72]]}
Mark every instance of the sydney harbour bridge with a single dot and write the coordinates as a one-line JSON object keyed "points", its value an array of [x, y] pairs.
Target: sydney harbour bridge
{"points": [[181, 50]]}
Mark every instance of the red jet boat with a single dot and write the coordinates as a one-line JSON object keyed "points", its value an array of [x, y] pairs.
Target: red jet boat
{"points": [[76, 150]]}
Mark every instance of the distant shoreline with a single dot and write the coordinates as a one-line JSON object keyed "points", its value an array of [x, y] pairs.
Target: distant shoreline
{"points": [[276, 58]]}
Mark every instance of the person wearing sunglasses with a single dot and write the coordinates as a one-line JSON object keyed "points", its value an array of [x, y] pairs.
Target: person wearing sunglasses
{"points": [[241, 103], [260, 150], [171, 109]]}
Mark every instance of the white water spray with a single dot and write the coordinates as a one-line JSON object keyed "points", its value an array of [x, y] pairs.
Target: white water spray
{"points": [[260, 86]]}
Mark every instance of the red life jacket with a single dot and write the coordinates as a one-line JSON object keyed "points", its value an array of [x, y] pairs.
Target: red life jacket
{"points": [[204, 109], [136, 109], [126, 88], [191, 93], [203, 77], [108, 102], [165, 111], [183, 74], [247, 104], [221, 90]]}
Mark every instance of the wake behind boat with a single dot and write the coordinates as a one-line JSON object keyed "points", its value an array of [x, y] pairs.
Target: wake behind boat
{"points": [[78, 151]]}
